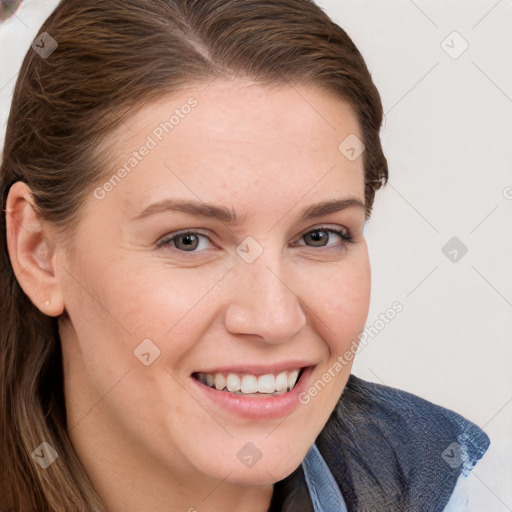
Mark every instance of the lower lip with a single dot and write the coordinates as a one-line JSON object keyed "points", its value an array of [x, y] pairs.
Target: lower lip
{"points": [[253, 407]]}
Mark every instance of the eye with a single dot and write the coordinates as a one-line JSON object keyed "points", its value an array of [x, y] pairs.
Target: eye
{"points": [[321, 235], [185, 241], [190, 241]]}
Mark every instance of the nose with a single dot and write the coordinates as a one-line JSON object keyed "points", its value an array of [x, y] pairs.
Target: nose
{"points": [[266, 301]]}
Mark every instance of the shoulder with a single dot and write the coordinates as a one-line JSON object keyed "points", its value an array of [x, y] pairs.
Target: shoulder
{"points": [[389, 447]]}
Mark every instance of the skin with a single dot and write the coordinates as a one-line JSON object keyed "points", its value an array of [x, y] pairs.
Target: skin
{"points": [[147, 438]]}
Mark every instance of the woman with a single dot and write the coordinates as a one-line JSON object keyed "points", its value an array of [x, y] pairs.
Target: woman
{"points": [[185, 275]]}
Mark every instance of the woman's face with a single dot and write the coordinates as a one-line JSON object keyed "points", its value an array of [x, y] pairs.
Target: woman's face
{"points": [[167, 296]]}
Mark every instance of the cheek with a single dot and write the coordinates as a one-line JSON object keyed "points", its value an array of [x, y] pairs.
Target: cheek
{"points": [[343, 304], [341, 313], [163, 300], [134, 299]]}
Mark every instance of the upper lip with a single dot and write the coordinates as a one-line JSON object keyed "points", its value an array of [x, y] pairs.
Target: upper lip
{"points": [[255, 369]]}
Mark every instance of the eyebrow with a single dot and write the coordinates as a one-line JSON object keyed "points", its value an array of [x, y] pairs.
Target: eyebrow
{"points": [[230, 217]]}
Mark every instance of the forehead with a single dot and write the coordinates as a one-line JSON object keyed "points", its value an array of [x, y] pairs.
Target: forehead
{"points": [[236, 142]]}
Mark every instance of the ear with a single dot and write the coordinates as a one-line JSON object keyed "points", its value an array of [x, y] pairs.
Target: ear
{"points": [[32, 252]]}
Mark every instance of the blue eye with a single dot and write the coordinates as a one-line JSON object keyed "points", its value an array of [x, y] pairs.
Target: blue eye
{"points": [[189, 241]]}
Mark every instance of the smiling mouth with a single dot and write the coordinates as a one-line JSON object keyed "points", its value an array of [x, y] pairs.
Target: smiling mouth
{"points": [[247, 384]]}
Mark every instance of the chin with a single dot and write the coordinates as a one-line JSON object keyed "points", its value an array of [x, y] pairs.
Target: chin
{"points": [[273, 466], [265, 475]]}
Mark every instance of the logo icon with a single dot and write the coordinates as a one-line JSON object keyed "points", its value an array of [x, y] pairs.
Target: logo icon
{"points": [[351, 147], [45, 455], [454, 250], [453, 455], [249, 250], [249, 455], [454, 45], [44, 45], [146, 352]]}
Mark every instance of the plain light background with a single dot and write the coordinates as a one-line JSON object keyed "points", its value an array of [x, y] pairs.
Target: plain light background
{"points": [[444, 71]]}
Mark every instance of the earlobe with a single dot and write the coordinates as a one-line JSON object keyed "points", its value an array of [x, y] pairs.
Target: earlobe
{"points": [[31, 251]]}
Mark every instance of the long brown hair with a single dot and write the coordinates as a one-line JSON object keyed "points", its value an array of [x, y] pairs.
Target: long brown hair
{"points": [[114, 57]]}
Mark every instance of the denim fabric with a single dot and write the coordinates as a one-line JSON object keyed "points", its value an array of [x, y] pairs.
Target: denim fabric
{"points": [[326, 496], [323, 489], [390, 450]]}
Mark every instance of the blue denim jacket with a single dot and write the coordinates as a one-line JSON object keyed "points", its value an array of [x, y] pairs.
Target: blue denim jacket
{"points": [[384, 449]]}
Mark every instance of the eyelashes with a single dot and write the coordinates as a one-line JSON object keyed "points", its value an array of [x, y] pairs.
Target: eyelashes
{"points": [[193, 240], [343, 234]]}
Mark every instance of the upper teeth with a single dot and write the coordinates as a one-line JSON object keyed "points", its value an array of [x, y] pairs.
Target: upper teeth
{"points": [[248, 383]]}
